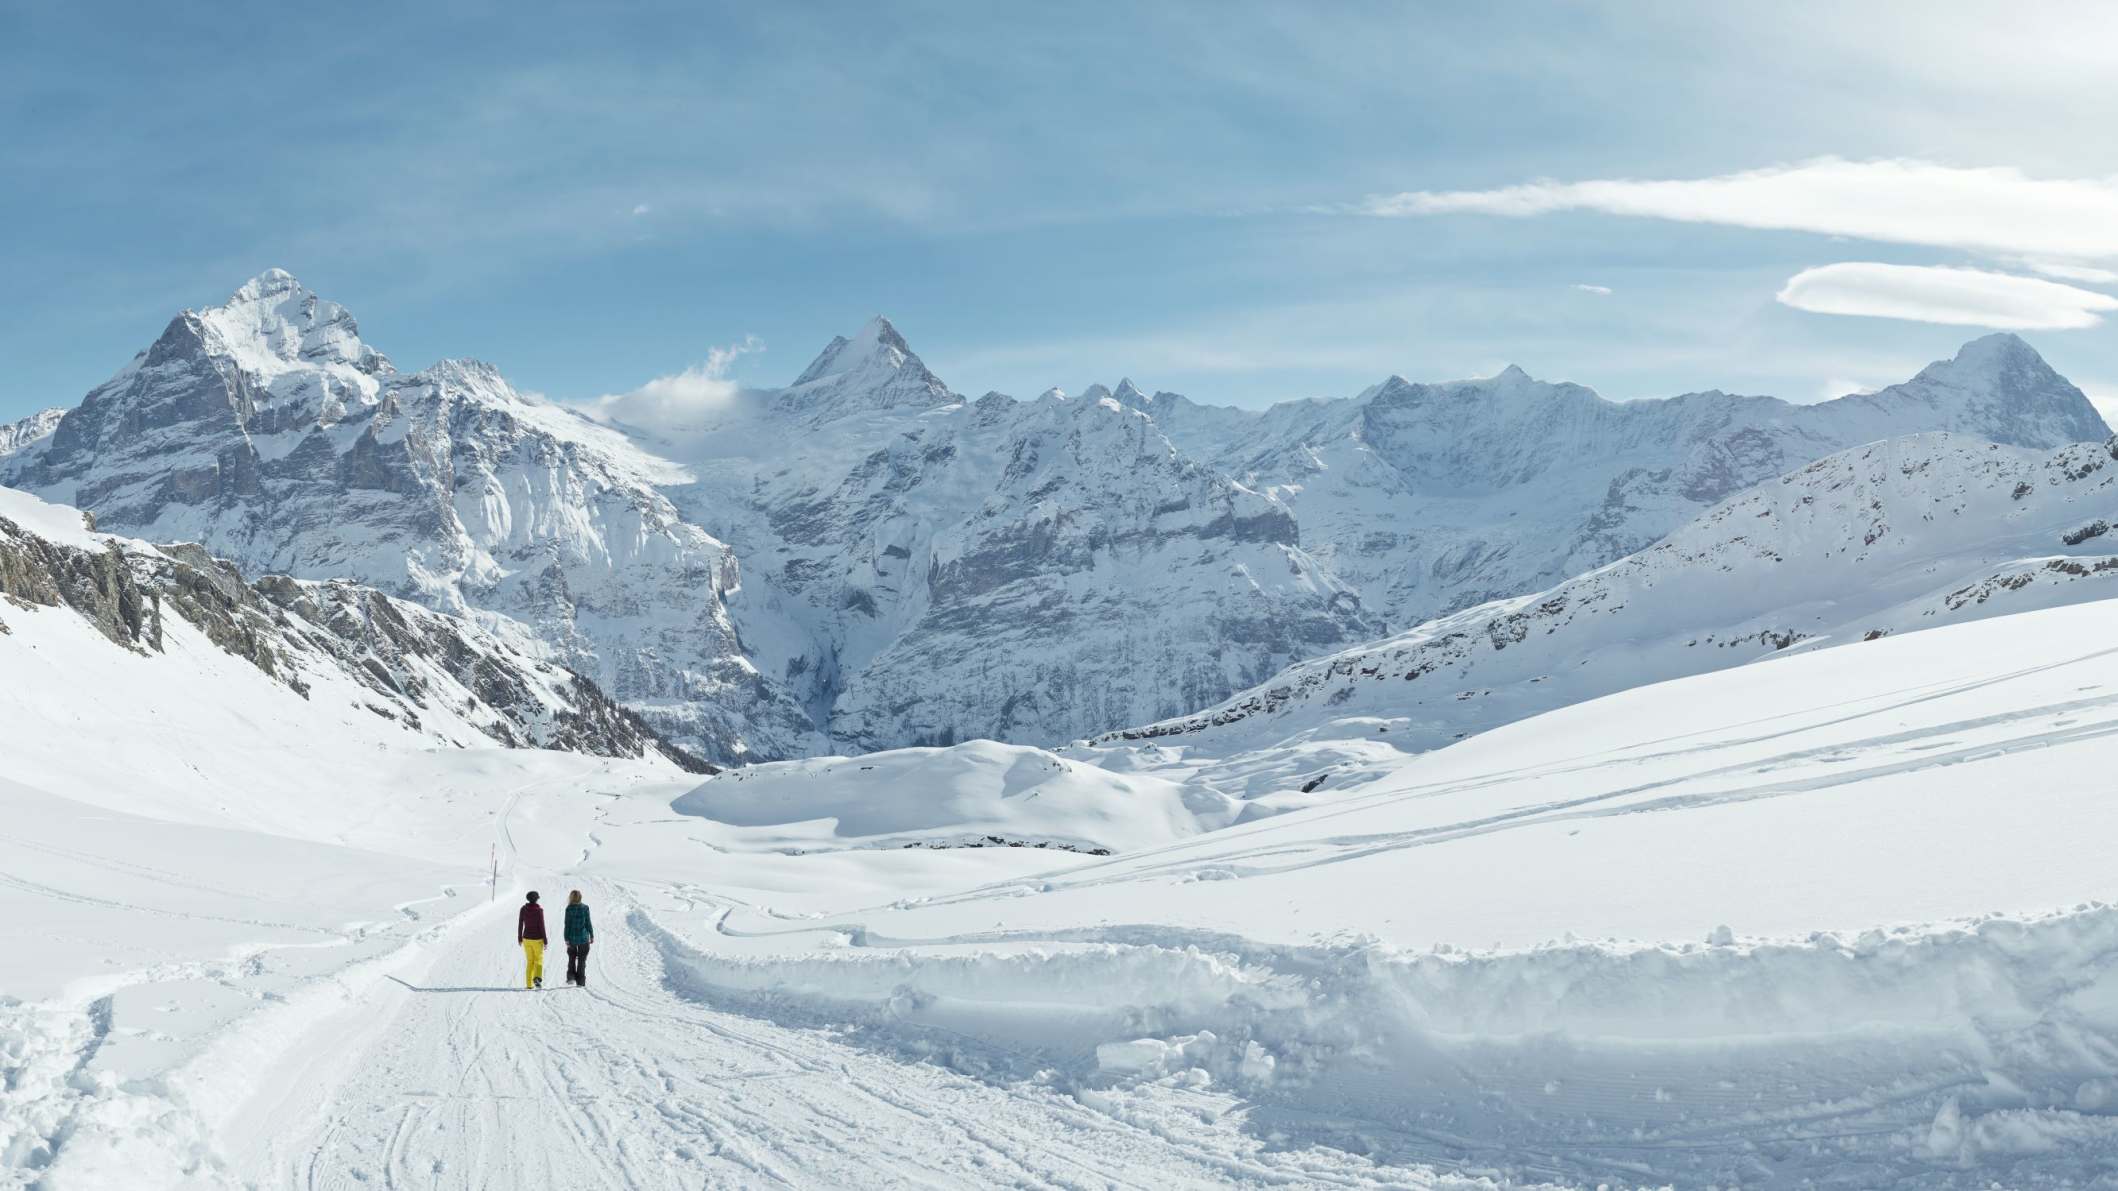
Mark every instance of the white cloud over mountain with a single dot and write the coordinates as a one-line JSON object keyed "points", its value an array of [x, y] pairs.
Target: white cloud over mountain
{"points": [[674, 402], [1931, 294]]}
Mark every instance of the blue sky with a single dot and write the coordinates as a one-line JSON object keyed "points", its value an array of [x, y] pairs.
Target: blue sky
{"points": [[1239, 202]]}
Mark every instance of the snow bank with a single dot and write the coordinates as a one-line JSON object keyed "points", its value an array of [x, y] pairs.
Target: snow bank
{"points": [[1936, 1046]]}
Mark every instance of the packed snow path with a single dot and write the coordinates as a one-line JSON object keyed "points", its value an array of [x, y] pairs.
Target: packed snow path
{"points": [[476, 1083], [446, 1073]]}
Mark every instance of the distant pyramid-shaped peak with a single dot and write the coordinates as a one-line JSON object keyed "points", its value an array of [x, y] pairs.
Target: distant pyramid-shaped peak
{"points": [[876, 345], [873, 369], [1992, 356], [2000, 388]]}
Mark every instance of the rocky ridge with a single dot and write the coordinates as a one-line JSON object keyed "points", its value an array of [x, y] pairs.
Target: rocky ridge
{"points": [[432, 673]]}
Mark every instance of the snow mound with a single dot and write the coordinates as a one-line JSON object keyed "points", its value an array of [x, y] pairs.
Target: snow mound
{"points": [[981, 793]]}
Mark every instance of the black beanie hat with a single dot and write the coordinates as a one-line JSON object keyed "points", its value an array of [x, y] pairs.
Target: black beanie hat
{"points": [[533, 895]]}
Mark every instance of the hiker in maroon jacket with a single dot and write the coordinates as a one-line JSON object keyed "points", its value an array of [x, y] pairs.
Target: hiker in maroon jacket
{"points": [[529, 931]]}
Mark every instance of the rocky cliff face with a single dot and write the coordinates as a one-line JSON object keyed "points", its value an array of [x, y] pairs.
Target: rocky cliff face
{"points": [[1429, 498], [432, 673], [1023, 570], [1895, 536], [1030, 571]]}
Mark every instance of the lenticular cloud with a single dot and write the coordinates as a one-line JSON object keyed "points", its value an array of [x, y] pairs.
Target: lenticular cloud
{"points": [[1962, 297]]}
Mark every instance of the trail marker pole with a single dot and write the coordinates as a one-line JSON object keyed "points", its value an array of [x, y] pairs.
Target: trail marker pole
{"points": [[493, 853]]}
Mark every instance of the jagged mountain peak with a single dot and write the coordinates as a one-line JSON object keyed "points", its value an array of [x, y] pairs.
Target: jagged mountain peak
{"points": [[1999, 387], [876, 344], [270, 282], [1510, 382], [27, 432], [874, 369], [273, 323], [1992, 357], [464, 372]]}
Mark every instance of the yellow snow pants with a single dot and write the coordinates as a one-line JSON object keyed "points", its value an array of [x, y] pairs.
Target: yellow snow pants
{"points": [[533, 951]]}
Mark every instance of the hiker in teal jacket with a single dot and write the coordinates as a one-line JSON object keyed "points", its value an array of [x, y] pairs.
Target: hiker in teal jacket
{"points": [[580, 932]]}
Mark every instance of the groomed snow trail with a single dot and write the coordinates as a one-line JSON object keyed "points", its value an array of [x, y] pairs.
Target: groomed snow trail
{"points": [[475, 1083]]}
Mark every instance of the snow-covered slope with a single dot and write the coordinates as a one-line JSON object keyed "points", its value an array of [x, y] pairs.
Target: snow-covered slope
{"points": [[1432, 498], [349, 650], [267, 431], [1895, 536], [1832, 919], [1839, 918]]}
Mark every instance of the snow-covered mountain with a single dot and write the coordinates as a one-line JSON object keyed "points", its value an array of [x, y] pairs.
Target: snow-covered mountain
{"points": [[26, 433], [926, 568], [267, 431], [1022, 570], [1898, 535], [1432, 498], [874, 370], [253, 953], [865, 559], [343, 647]]}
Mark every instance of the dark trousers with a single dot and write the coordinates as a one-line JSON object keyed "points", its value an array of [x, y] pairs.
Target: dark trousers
{"points": [[577, 963]]}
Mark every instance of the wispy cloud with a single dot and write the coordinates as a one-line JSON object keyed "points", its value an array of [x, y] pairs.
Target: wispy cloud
{"points": [[2058, 221], [1839, 386], [674, 404], [1601, 291], [1962, 297]]}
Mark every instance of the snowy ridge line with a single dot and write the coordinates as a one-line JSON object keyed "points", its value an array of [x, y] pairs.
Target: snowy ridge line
{"points": [[1943, 1043], [865, 559], [333, 641]]}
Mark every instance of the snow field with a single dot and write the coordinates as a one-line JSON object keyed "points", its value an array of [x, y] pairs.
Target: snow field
{"points": [[1836, 915]]}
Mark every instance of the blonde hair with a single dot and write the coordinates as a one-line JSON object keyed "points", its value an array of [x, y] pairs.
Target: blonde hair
{"points": [[574, 898]]}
